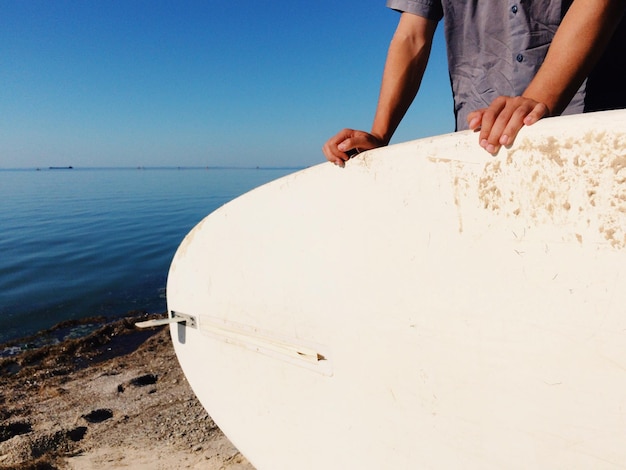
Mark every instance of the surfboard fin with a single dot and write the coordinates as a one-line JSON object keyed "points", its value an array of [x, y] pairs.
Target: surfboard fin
{"points": [[176, 317]]}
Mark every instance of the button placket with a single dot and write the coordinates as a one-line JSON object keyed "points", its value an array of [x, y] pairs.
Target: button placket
{"points": [[519, 57]]}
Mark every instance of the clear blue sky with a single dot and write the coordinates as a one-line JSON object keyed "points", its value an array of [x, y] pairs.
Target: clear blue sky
{"points": [[195, 83]]}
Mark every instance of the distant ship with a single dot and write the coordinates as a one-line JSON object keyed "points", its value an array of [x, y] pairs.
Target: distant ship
{"points": [[61, 168]]}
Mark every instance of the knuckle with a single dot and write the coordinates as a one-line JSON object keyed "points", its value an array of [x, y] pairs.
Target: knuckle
{"points": [[500, 100]]}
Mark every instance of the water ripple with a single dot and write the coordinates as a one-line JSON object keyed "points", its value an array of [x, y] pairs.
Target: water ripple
{"points": [[99, 242]]}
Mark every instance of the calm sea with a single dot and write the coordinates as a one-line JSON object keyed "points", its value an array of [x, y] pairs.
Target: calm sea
{"points": [[84, 242]]}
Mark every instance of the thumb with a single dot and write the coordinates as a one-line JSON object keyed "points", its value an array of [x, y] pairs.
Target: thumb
{"points": [[344, 145]]}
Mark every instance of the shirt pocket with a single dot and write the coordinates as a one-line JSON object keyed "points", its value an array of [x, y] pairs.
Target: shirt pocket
{"points": [[544, 19]]}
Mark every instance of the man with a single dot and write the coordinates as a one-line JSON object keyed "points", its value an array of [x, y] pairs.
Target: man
{"points": [[511, 64]]}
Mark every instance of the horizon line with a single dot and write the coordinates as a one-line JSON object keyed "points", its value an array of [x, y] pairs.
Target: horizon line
{"points": [[161, 167]]}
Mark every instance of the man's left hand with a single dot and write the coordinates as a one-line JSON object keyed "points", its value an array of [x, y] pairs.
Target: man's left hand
{"points": [[501, 121]]}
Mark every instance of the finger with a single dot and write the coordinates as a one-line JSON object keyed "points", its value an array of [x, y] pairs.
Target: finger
{"points": [[332, 152], [474, 119], [330, 156], [507, 124], [538, 112], [527, 113], [349, 149], [346, 145], [358, 142], [489, 119], [513, 126]]}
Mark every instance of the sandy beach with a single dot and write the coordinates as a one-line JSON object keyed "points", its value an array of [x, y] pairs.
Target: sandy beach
{"points": [[115, 398]]}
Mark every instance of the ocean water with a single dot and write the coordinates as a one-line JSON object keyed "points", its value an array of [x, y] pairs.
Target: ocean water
{"points": [[84, 242]]}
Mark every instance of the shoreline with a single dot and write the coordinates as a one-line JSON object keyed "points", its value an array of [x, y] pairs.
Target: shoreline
{"points": [[113, 398]]}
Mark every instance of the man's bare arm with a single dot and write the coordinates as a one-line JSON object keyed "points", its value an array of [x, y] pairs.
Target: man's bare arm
{"points": [[406, 61], [579, 42]]}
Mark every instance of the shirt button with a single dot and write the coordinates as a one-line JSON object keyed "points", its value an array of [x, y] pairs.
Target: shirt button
{"points": [[514, 9], [519, 57]]}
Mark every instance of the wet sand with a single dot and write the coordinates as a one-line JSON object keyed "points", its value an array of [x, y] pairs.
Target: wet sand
{"points": [[115, 398]]}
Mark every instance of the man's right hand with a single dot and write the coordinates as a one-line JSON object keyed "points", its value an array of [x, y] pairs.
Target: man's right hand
{"points": [[340, 147]]}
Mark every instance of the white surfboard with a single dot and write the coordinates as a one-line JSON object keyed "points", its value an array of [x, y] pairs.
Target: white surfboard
{"points": [[428, 306]]}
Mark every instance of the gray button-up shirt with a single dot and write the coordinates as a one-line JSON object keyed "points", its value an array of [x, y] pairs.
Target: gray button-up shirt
{"points": [[495, 47]]}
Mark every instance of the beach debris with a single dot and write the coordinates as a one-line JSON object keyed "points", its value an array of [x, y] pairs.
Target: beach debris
{"points": [[98, 416], [143, 380], [7, 431], [77, 433]]}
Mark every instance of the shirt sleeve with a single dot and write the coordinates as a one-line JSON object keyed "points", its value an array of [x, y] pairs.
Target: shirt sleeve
{"points": [[430, 9]]}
